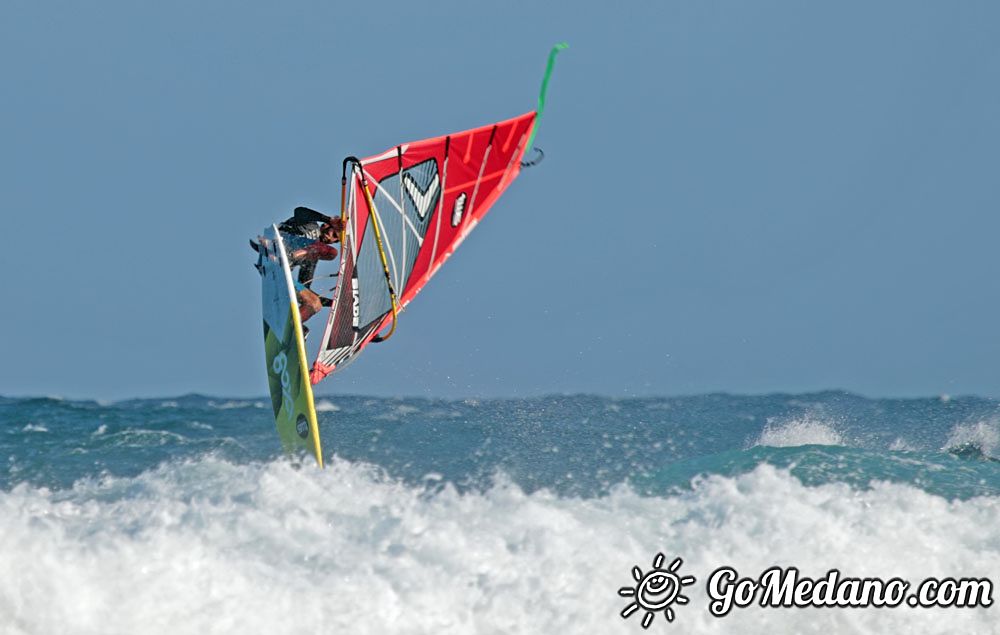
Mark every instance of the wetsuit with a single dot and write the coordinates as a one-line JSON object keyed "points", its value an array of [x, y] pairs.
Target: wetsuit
{"points": [[298, 232]]}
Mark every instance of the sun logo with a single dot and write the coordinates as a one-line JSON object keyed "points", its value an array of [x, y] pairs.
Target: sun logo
{"points": [[656, 590]]}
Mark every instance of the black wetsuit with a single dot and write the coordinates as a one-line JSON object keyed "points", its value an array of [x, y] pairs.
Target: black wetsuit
{"points": [[306, 223]]}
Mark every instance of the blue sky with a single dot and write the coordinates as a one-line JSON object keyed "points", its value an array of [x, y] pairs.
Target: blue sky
{"points": [[743, 197]]}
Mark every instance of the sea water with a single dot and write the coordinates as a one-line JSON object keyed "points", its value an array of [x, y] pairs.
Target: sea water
{"points": [[486, 516]]}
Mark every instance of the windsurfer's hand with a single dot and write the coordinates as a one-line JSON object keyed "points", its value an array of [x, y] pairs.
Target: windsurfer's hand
{"points": [[319, 251]]}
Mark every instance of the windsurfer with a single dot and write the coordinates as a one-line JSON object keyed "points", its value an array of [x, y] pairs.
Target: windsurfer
{"points": [[307, 242], [305, 253]]}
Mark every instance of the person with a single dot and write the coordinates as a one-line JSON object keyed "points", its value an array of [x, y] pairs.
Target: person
{"points": [[310, 230], [308, 236]]}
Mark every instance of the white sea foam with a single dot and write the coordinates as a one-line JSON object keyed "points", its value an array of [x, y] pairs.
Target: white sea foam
{"points": [[34, 427], [141, 438], [983, 434], [208, 546], [807, 430], [398, 412], [231, 404], [902, 445], [325, 405]]}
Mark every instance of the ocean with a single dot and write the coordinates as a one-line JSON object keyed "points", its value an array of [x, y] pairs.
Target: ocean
{"points": [[182, 515]]}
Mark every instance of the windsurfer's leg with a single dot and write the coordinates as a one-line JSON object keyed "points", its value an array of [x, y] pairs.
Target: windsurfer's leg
{"points": [[309, 304]]}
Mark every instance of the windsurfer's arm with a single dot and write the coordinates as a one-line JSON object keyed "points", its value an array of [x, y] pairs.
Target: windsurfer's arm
{"points": [[314, 251], [306, 215]]}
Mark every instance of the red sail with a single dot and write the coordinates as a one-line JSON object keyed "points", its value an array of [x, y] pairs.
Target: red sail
{"points": [[425, 197]]}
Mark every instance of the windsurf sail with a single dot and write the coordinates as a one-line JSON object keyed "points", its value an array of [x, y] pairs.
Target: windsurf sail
{"points": [[406, 211]]}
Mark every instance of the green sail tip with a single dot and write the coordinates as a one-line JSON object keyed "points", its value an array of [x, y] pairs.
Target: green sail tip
{"points": [[545, 87]]}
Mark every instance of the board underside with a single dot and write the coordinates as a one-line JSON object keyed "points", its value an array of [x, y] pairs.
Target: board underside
{"points": [[284, 351]]}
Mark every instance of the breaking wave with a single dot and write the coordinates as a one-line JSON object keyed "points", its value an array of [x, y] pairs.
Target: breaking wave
{"points": [[206, 545]]}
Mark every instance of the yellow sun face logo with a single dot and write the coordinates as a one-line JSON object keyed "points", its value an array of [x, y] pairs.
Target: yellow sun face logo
{"points": [[656, 590]]}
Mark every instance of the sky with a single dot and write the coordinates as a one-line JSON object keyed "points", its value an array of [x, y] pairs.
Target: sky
{"points": [[741, 197]]}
